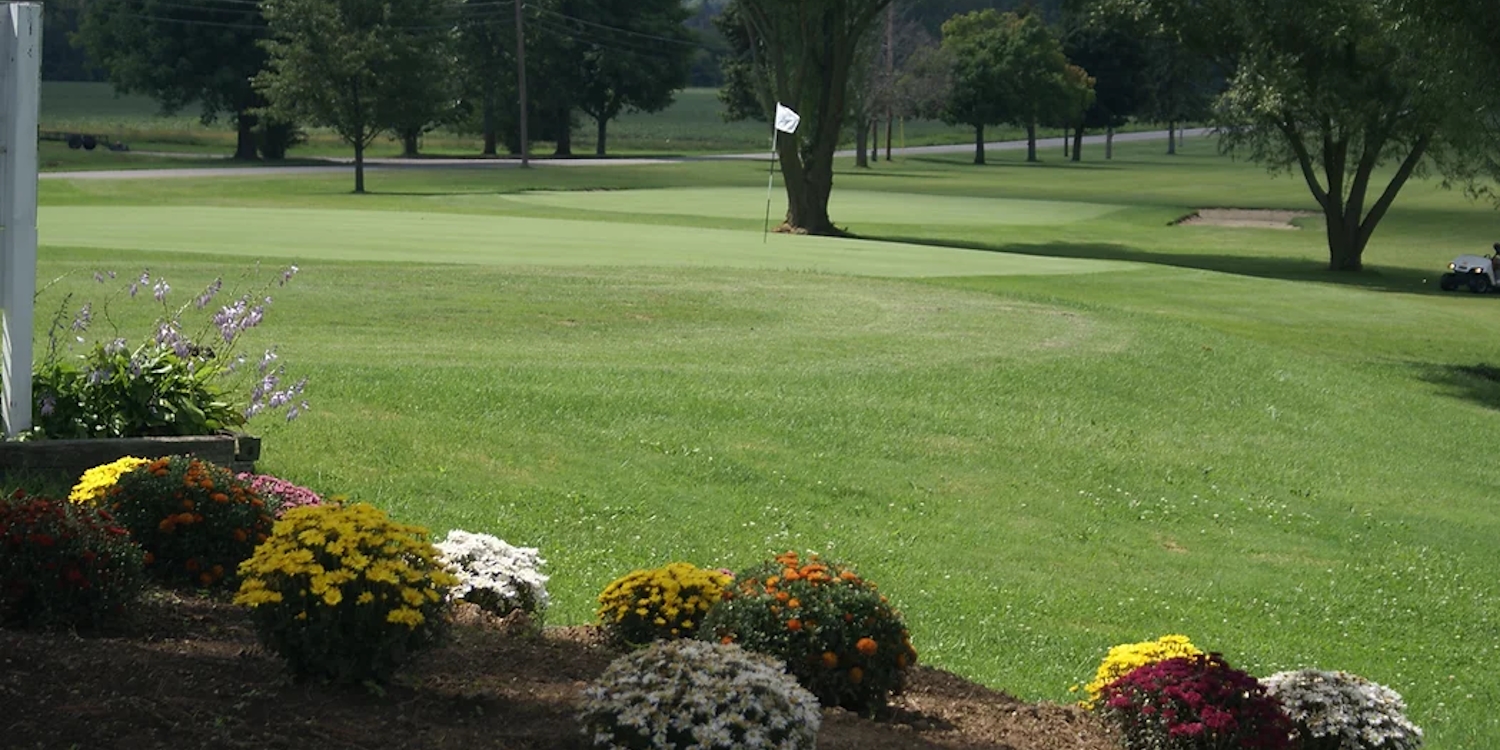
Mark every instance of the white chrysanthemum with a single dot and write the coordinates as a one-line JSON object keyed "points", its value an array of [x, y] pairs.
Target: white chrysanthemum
{"points": [[1363, 715], [494, 575], [685, 694]]}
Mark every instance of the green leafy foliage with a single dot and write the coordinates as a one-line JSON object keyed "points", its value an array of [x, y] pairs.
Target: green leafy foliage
{"points": [[113, 392], [345, 593], [837, 635], [63, 563], [195, 521]]}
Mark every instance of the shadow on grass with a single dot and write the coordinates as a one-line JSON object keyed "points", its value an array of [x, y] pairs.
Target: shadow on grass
{"points": [[1478, 383], [993, 161], [1384, 279]]}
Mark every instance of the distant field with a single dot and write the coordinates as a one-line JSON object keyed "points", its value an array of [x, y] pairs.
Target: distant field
{"points": [[693, 125]]}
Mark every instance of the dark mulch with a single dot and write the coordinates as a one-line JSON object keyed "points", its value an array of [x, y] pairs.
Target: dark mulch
{"points": [[186, 672]]}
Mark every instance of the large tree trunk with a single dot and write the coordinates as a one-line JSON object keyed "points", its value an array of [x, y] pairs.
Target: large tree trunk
{"points": [[359, 168], [874, 139], [564, 140], [1078, 143], [1171, 137], [244, 147], [1109, 142], [1031, 141], [862, 143], [807, 189], [603, 132], [410, 143], [978, 144], [1067, 143], [1346, 247]]}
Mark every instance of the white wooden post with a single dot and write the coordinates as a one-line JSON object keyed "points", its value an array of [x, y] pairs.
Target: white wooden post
{"points": [[20, 95]]}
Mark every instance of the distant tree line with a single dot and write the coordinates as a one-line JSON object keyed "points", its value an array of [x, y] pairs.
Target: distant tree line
{"points": [[402, 67]]}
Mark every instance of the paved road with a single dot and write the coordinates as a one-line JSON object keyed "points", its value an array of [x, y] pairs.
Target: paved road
{"points": [[345, 166]]}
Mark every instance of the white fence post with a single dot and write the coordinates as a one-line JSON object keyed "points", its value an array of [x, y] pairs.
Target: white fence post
{"points": [[20, 95]]}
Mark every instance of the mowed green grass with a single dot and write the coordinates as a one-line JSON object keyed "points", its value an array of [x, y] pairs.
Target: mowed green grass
{"points": [[1036, 454]]}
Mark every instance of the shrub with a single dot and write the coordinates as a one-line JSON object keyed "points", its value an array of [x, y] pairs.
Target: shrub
{"points": [[1128, 657], [1195, 703], [344, 592], [166, 382], [665, 602], [1342, 711], [690, 694], [493, 575], [282, 495], [195, 521], [97, 481], [837, 635], [63, 563]]}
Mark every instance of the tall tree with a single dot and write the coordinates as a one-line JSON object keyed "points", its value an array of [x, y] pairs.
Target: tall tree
{"points": [[350, 64], [181, 52], [1037, 71], [1357, 97], [800, 53], [976, 46], [632, 55], [1116, 58]]}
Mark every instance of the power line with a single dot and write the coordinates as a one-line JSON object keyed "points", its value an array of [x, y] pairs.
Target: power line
{"points": [[586, 22]]}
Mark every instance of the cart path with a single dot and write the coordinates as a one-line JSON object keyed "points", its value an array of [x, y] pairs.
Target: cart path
{"points": [[346, 165]]}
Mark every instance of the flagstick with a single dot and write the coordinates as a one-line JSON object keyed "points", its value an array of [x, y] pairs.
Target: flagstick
{"points": [[770, 180]]}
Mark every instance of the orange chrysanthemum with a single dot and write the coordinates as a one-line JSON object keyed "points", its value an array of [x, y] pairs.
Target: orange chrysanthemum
{"points": [[867, 646]]}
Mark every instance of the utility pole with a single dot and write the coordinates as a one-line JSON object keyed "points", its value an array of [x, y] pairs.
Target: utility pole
{"points": [[521, 79], [890, 74]]}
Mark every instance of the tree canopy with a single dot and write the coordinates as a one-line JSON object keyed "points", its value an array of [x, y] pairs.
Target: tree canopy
{"points": [[182, 52], [356, 66], [1356, 97]]}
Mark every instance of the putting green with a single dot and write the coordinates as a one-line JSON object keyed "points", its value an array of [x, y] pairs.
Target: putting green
{"points": [[500, 240], [848, 207]]}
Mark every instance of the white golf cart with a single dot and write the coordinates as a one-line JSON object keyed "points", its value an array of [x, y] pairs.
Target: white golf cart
{"points": [[1477, 272]]}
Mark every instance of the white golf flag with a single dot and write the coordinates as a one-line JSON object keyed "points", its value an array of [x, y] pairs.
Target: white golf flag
{"points": [[786, 119]]}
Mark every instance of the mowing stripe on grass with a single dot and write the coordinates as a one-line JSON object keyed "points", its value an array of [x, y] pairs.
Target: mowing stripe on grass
{"points": [[853, 206], [493, 240]]}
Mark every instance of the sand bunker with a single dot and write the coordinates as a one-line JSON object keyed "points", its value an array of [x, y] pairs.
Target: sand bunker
{"points": [[1243, 217]]}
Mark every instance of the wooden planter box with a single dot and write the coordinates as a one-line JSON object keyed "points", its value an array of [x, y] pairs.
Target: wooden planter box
{"points": [[73, 457]]}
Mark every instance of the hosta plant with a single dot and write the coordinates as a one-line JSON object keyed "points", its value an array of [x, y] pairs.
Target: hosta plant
{"points": [[195, 521], [62, 563], [1128, 657], [836, 634], [707, 696], [1194, 703], [1342, 711], [345, 593], [279, 493], [95, 482], [665, 602], [177, 378], [497, 577]]}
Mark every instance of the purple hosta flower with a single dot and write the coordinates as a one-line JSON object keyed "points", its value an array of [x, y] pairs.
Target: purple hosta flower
{"points": [[84, 317], [208, 293], [144, 280], [99, 375], [98, 278], [114, 347], [287, 274], [265, 361], [135, 368], [234, 364], [49, 404], [160, 290], [296, 411]]}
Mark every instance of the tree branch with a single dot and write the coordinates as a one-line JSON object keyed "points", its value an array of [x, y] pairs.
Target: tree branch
{"points": [[1304, 159], [1403, 173]]}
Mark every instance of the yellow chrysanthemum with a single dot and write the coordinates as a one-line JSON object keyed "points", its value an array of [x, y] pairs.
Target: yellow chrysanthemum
{"points": [[1128, 657], [97, 481]]}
